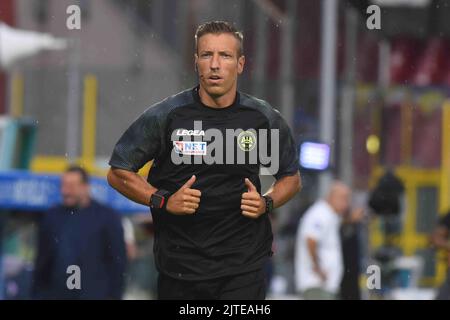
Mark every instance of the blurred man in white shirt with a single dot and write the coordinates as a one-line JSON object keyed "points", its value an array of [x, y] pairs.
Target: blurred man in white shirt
{"points": [[318, 258]]}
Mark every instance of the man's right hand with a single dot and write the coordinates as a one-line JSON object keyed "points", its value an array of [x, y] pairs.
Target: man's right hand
{"points": [[185, 200]]}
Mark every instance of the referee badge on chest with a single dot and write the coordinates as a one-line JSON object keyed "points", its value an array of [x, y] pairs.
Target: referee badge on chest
{"points": [[246, 140]]}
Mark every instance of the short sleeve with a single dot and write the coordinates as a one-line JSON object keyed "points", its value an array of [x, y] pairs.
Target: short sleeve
{"points": [[313, 227], [140, 143], [288, 151]]}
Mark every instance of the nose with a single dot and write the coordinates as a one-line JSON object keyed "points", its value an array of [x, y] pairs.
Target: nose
{"points": [[215, 62]]}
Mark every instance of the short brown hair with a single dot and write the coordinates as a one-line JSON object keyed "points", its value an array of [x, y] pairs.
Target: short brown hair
{"points": [[218, 27], [82, 172]]}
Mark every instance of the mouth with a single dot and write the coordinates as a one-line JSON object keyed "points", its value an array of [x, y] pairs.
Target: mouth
{"points": [[214, 78]]}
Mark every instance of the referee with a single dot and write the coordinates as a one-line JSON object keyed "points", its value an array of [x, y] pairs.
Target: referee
{"points": [[212, 231]]}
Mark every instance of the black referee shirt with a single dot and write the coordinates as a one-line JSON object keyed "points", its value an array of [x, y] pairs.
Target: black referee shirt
{"points": [[185, 138]]}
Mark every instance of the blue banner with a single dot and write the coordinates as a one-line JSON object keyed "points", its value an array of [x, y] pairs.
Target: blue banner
{"points": [[22, 190]]}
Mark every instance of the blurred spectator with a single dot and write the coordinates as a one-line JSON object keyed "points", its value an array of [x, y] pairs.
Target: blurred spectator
{"points": [[130, 240], [80, 232], [385, 199], [440, 239], [318, 260], [351, 256]]}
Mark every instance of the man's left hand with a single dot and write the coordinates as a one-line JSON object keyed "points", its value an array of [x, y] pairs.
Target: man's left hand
{"points": [[252, 204]]}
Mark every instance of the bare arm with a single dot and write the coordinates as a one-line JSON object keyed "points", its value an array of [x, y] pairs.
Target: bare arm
{"points": [[284, 189], [131, 185], [312, 250], [134, 187]]}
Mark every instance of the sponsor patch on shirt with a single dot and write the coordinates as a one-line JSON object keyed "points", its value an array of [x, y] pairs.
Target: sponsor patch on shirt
{"points": [[192, 148]]}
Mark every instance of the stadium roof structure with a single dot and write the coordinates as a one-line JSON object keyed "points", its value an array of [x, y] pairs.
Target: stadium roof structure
{"points": [[16, 44]]}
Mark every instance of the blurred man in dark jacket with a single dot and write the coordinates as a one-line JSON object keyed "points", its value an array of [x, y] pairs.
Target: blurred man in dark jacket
{"points": [[81, 249]]}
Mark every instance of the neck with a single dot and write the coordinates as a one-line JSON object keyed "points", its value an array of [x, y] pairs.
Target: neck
{"points": [[223, 101]]}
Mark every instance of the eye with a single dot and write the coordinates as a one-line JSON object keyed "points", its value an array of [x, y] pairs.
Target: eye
{"points": [[205, 55]]}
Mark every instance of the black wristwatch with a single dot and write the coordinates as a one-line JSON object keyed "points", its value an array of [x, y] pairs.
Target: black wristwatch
{"points": [[269, 204], [159, 199]]}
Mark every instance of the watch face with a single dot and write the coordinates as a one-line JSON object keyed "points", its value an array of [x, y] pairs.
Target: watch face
{"points": [[156, 201]]}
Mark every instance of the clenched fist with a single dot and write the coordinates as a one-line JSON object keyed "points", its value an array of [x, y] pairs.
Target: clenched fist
{"points": [[185, 200]]}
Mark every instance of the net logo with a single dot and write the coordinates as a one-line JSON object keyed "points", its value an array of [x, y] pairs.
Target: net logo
{"points": [[193, 148]]}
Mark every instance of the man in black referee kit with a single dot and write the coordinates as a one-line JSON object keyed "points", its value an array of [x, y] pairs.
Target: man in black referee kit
{"points": [[212, 230]]}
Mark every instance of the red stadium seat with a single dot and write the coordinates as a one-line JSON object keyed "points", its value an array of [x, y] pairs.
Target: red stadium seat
{"points": [[404, 54], [431, 65]]}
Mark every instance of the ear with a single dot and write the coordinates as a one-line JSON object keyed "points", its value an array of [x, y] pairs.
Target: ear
{"points": [[241, 63], [195, 62]]}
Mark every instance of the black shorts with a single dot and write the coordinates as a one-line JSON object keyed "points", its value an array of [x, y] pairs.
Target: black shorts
{"points": [[247, 286]]}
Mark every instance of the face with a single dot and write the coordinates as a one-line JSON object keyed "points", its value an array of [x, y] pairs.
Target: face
{"points": [[340, 200], [218, 63], [74, 191]]}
